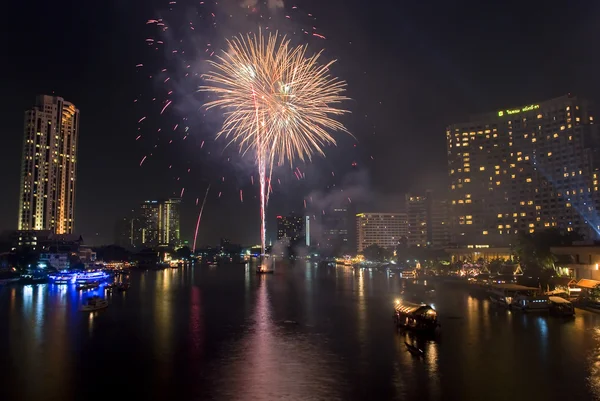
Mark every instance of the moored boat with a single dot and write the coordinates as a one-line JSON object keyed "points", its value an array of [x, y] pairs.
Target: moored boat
{"points": [[561, 307], [518, 297], [419, 317], [94, 304]]}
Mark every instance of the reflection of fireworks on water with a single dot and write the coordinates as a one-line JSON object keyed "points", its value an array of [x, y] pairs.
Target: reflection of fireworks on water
{"points": [[279, 103]]}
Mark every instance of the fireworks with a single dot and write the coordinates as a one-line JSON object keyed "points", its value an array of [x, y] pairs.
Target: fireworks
{"points": [[279, 103]]}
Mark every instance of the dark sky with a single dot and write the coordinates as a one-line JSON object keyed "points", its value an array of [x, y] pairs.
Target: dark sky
{"points": [[412, 68]]}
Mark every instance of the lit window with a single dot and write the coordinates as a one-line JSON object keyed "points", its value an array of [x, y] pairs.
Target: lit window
{"points": [[482, 168], [562, 127], [499, 215], [549, 154], [497, 182], [528, 179], [485, 233]]}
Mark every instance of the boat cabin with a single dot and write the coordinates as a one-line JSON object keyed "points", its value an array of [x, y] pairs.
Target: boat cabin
{"points": [[413, 316]]}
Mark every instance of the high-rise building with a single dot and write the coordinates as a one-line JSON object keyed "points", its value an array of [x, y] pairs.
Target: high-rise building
{"points": [[48, 169], [336, 227], [155, 223], [291, 229], [387, 230], [123, 232], [439, 223], [168, 222], [427, 221], [148, 216], [417, 214], [524, 168]]}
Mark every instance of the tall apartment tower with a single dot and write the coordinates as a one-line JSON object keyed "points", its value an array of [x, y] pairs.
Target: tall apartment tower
{"points": [[525, 168], [168, 222], [48, 169]]}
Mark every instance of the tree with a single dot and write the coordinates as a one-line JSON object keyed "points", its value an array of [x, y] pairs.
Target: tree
{"points": [[533, 250], [183, 253], [375, 253]]}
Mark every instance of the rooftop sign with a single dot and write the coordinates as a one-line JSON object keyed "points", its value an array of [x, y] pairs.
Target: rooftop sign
{"points": [[515, 111]]}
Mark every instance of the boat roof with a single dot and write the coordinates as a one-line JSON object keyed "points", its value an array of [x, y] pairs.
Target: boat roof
{"points": [[514, 287], [559, 300], [409, 307], [586, 283]]}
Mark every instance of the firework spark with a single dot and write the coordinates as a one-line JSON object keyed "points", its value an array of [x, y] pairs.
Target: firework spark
{"points": [[279, 103]]}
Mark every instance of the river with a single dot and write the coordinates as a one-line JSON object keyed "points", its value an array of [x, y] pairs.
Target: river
{"points": [[304, 333]]}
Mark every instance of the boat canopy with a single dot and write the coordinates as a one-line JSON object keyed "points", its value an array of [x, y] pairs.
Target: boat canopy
{"points": [[586, 283], [409, 307], [559, 300]]}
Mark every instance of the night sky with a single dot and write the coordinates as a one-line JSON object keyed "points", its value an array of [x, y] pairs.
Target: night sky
{"points": [[412, 68]]}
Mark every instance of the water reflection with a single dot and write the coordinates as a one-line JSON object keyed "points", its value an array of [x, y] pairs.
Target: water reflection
{"points": [[225, 333]]}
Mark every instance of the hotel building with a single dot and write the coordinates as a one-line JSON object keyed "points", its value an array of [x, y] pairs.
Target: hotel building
{"points": [[48, 169], [525, 168], [387, 230]]}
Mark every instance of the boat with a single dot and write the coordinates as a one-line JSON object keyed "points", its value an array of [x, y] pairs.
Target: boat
{"points": [[92, 276], [264, 270], [518, 297], [34, 278], [418, 317], [86, 286], [410, 274], [561, 307], [414, 350], [123, 286], [93, 304]]}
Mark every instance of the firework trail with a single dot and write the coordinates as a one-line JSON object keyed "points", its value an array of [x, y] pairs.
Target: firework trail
{"points": [[279, 103], [200, 217]]}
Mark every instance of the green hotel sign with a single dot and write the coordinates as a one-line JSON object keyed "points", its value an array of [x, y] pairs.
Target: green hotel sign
{"points": [[515, 111]]}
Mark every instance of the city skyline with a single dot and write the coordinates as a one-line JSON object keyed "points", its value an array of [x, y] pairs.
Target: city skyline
{"points": [[442, 82]]}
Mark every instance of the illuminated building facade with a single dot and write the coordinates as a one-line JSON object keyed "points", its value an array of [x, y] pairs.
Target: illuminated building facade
{"points": [[156, 223], [428, 221], [48, 169], [147, 224], [168, 222], [524, 169], [387, 230]]}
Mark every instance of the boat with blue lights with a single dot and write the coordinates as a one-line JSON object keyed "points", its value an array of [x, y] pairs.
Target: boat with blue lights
{"points": [[69, 277]]}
